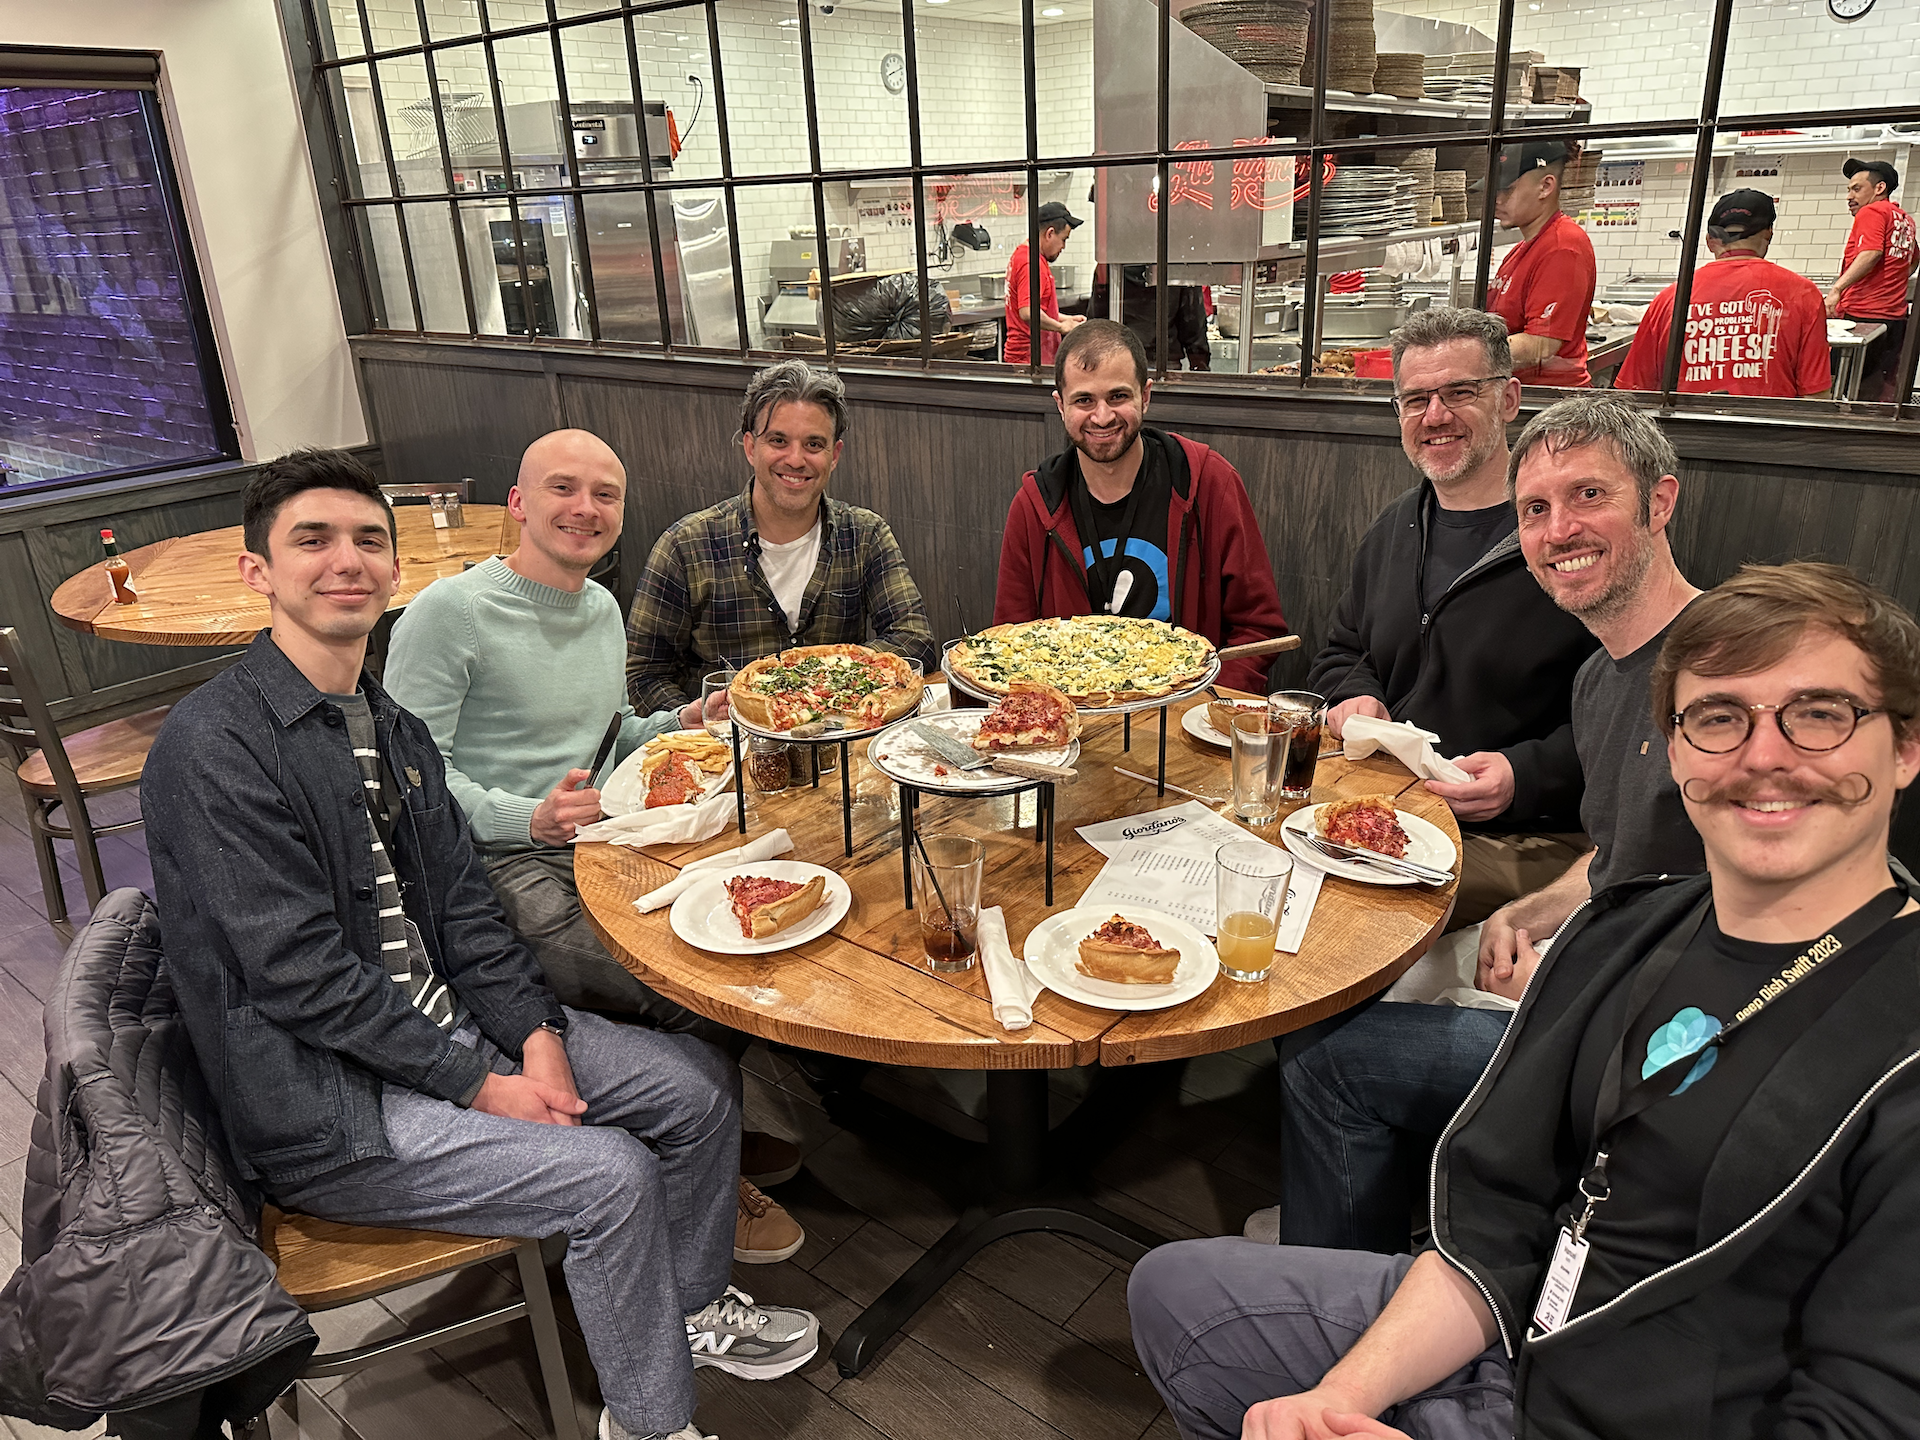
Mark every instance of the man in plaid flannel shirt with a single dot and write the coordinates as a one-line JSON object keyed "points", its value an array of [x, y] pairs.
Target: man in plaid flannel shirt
{"points": [[777, 565]]}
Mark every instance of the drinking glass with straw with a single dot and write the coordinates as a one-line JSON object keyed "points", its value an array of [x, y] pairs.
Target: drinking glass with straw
{"points": [[946, 896]]}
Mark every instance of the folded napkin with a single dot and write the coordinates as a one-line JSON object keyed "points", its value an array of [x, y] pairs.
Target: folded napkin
{"points": [[1406, 742], [1009, 982], [668, 825], [765, 848]]}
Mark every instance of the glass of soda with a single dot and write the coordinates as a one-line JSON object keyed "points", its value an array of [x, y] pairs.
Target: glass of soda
{"points": [[946, 896], [1297, 714], [1250, 880]]}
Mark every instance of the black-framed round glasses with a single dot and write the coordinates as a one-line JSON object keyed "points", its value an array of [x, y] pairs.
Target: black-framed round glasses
{"points": [[1814, 723], [1454, 395]]}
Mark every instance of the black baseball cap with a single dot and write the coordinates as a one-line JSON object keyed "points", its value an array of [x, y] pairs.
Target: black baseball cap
{"points": [[1529, 155], [1741, 213], [1879, 169], [1053, 214]]}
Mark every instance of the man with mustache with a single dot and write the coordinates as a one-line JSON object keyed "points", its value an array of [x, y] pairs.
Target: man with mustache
{"points": [[1130, 520], [1681, 1199], [1368, 1092], [1442, 625]]}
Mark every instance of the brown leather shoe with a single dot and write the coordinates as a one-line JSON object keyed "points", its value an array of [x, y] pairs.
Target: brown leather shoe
{"points": [[767, 1159], [763, 1233]]}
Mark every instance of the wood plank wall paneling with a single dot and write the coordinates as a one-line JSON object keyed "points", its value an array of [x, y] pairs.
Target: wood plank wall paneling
{"points": [[456, 422]]}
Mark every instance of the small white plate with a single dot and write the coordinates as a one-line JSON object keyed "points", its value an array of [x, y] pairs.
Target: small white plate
{"points": [[1053, 946], [625, 791], [1199, 724], [703, 918], [899, 754], [1427, 844]]}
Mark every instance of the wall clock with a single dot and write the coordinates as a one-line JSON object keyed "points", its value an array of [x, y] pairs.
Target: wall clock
{"points": [[1848, 9], [893, 68]]}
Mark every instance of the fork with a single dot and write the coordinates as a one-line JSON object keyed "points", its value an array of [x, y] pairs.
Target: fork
{"points": [[1426, 874]]}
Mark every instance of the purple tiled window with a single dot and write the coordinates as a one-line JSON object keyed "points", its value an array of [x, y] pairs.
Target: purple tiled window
{"points": [[100, 343]]}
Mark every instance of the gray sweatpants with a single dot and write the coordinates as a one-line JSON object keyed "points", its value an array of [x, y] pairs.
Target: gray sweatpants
{"points": [[1221, 1325], [643, 1189], [541, 901]]}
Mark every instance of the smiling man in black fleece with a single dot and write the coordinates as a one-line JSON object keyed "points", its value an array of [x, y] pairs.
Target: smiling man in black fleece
{"points": [[1444, 626]]}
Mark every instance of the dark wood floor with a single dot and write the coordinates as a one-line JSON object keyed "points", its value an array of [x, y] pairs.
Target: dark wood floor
{"points": [[1030, 1341]]}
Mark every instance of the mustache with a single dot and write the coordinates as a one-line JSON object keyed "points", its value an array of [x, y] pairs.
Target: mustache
{"points": [[1848, 791]]}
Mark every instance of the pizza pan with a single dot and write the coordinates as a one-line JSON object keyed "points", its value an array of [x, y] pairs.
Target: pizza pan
{"points": [[1132, 707], [832, 737], [899, 755]]}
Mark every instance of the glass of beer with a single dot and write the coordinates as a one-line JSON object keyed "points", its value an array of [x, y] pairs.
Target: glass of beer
{"points": [[1298, 716], [1250, 879], [946, 896], [1259, 759]]}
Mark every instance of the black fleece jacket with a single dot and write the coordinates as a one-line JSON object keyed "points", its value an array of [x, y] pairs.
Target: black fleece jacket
{"points": [[1491, 667], [1796, 1316]]}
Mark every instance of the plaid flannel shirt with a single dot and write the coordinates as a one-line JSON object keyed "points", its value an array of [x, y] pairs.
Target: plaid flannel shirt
{"points": [[703, 603]]}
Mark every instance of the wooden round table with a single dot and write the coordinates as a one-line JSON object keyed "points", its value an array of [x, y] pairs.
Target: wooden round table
{"points": [[863, 991], [191, 592]]}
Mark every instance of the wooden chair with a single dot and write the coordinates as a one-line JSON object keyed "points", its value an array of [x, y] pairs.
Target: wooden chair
{"points": [[57, 774], [324, 1264]]}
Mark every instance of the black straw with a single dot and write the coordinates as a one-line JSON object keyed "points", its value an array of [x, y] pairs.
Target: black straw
{"points": [[932, 876]]}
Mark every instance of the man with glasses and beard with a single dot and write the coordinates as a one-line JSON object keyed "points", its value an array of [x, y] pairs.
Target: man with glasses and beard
{"points": [[1443, 626], [1681, 1200], [1134, 521]]}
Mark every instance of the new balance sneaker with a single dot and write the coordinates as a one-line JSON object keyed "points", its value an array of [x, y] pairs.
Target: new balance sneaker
{"points": [[755, 1342], [763, 1232], [612, 1429]]}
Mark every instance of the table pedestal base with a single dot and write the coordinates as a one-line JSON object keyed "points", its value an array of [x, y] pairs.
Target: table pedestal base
{"points": [[1022, 1197]]}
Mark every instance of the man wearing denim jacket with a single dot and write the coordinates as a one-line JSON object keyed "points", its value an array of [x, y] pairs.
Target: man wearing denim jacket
{"points": [[381, 1047]]}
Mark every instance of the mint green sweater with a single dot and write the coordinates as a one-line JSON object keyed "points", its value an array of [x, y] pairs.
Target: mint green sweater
{"points": [[517, 682]]}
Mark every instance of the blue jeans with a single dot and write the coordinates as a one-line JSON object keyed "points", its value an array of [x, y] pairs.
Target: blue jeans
{"points": [[643, 1189], [1220, 1325], [1365, 1097]]}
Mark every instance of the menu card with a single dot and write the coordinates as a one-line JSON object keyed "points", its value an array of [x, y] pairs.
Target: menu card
{"points": [[1189, 826]]}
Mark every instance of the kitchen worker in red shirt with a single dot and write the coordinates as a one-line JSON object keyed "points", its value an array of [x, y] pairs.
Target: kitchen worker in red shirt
{"points": [[1876, 266], [1544, 287], [1056, 224], [1753, 327]]}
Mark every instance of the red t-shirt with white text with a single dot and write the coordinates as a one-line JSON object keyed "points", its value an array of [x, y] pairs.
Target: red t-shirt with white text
{"points": [[1545, 287], [1885, 227], [1753, 328], [1017, 350]]}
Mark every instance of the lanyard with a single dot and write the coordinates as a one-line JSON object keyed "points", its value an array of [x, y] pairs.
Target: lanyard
{"points": [[1612, 1109]]}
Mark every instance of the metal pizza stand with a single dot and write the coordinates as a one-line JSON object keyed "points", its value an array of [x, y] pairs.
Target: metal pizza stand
{"points": [[840, 738], [912, 785]]}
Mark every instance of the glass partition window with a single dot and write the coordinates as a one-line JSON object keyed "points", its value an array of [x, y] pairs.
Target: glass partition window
{"points": [[1311, 179], [106, 358]]}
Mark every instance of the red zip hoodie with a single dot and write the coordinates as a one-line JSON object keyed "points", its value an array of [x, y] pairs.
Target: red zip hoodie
{"points": [[1222, 583]]}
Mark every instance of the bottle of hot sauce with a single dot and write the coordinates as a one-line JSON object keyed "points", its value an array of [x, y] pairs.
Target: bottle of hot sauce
{"points": [[118, 571]]}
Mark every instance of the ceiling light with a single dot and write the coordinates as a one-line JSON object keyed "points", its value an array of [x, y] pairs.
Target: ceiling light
{"points": [[1053, 12]]}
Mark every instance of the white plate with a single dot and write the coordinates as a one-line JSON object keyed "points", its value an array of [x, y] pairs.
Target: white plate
{"points": [[1054, 944], [1427, 844], [899, 754], [703, 918], [625, 791], [1197, 723]]}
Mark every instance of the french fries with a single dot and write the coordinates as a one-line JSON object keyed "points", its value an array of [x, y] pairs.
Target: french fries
{"points": [[699, 749]]}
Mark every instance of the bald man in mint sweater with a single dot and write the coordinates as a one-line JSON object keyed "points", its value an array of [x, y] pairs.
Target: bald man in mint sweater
{"points": [[516, 667]]}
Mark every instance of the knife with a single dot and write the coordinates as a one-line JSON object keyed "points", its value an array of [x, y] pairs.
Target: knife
{"points": [[606, 748], [964, 757]]}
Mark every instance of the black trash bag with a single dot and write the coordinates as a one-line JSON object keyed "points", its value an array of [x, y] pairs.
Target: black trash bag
{"points": [[888, 309]]}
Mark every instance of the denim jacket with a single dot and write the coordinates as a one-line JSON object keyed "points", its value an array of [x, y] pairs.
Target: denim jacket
{"points": [[263, 868]]}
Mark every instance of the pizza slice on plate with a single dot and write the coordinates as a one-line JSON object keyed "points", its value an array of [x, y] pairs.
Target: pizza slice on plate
{"points": [[671, 783], [765, 906], [1126, 954], [1365, 823], [1032, 716]]}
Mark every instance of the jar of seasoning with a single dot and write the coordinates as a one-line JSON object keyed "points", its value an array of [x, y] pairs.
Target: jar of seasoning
{"points": [[768, 764], [801, 758]]}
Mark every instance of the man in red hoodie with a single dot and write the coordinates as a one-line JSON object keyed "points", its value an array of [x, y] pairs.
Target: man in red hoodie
{"points": [[1134, 521]]}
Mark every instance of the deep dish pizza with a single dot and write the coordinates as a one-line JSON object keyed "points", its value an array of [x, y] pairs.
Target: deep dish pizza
{"points": [[765, 906], [1031, 716], [1126, 954], [1365, 823], [861, 687], [1095, 660]]}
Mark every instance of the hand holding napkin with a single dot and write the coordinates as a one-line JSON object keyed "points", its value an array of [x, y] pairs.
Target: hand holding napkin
{"points": [[1406, 742], [765, 848], [1010, 984]]}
